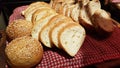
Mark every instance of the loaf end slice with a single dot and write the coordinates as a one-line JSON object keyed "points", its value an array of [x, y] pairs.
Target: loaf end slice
{"points": [[102, 22]]}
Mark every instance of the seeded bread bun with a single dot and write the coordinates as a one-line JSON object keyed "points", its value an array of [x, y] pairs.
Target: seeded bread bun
{"points": [[19, 28], [24, 52]]}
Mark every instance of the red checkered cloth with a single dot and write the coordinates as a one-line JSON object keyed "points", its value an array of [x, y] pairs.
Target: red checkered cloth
{"points": [[94, 50]]}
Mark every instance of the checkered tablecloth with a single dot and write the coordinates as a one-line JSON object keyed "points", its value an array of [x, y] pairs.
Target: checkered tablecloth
{"points": [[94, 50]]}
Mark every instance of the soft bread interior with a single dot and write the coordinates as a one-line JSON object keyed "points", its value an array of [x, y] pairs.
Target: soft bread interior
{"points": [[40, 24], [55, 30], [69, 36], [40, 13], [32, 8], [44, 33]]}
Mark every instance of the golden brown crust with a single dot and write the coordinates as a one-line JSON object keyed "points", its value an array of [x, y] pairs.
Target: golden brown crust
{"points": [[24, 52], [19, 28], [102, 22]]}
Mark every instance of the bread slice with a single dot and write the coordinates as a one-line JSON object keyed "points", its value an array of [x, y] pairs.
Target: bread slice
{"points": [[92, 6], [34, 5], [38, 14], [75, 12], [69, 1], [44, 33], [71, 38], [63, 9], [83, 2], [32, 9], [68, 10], [55, 30], [63, 1], [84, 19], [51, 3], [40, 24], [29, 6], [57, 6]]}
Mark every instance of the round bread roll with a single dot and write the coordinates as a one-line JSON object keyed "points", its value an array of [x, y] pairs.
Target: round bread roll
{"points": [[24, 52], [19, 28]]}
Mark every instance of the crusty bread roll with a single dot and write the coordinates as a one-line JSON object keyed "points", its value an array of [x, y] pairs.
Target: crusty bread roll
{"points": [[71, 38], [24, 52], [19, 28]]}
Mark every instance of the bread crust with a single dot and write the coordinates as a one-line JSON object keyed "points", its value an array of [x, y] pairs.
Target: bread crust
{"points": [[18, 28], [24, 52], [102, 22]]}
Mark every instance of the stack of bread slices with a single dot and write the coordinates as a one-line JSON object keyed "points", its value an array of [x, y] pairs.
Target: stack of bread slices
{"points": [[54, 29], [86, 12]]}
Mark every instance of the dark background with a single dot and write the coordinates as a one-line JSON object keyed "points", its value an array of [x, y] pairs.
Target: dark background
{"points": [[7, 6]]}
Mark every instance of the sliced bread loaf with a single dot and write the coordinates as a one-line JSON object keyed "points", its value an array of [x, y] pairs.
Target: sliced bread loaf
{"points": [[84, 19], [40, 13], [40, 24], [44, 33], [55, 30], [92, 6], [75, 12], [71, 38], [28, 13]]}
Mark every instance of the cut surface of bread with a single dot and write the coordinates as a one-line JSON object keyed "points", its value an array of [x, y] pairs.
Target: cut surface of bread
{"points": [[83, 2], [75, 12], [64, 9], [32, 9], [57, 6], [38, 14], [55, 30], [84, 19], [29, 6], [71, 38], [92, 6], [44, 33], [40, 24], [34, 5], [69, 8]]}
